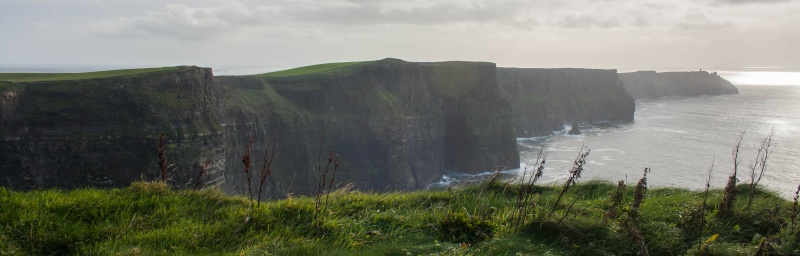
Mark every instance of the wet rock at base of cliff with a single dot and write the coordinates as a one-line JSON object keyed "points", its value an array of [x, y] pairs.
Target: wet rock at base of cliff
{"points": [[574, 130]]}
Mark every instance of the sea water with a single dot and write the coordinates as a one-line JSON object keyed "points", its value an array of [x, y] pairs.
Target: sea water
{"points": [[679, 139]]}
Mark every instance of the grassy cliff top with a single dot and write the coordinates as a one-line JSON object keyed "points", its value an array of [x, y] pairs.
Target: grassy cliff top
{"points": [[345, 67], [314, 69], [486, 219], [36, 77]]}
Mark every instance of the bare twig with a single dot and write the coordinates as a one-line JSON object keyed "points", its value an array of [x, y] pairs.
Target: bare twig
{"points": [[729, 195], [201, 174], [704, 206], [761, 161], [162, 158], [246, 162], [266, 170], [574, 174]]}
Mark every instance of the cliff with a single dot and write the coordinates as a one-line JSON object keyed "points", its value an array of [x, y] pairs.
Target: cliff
{"points": [[395, 124], [101, 129], [652, 85], [544, 100]]}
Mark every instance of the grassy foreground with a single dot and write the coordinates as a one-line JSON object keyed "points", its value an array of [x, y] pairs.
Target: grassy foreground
{"points": [[151, 219]]}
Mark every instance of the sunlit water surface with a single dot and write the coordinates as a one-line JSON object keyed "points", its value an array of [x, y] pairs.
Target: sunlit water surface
{"points": [[679, 139]]}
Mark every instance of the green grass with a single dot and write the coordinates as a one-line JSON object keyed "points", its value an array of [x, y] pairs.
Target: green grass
{"points": [[151, 219], [314, 69], [35, 77]]}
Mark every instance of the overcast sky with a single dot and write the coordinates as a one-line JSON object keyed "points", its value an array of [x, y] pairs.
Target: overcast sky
{"points": [[624, 34]]}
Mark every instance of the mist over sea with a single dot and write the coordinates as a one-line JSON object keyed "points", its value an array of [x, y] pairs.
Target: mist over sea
{"points": [[679, 138]]}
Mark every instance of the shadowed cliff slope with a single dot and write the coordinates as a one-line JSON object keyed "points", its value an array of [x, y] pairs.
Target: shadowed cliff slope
{"points": [[652, 85], [101, 128], [396, 124], [544, 100]]}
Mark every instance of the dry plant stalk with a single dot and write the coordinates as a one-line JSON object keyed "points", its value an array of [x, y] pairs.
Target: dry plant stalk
{"points": [[574, 174], [246, 162], [324, 184], [266, 170], [632, 220], [525, 195], [201, 174], [794, 208], [704, 206], [639, 191], [729, 196], [162, 158], [761, 161], [616, 201], [336, 161]]}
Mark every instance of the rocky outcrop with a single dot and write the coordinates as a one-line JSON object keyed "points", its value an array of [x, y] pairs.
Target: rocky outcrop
{"points": [[544, 100], [103, 132], [652, 85], [395, 124]]}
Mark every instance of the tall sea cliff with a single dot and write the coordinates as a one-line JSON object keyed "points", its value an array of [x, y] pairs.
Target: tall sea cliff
{"points": [[395, 124], [103, 131], [544, 100]]}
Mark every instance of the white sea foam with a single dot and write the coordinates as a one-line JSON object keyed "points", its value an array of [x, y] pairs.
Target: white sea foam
{"points": [[621, 152], [596, 163]]}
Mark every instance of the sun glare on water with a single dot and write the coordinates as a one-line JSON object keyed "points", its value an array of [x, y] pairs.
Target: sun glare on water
{"points": [[761, 77]]}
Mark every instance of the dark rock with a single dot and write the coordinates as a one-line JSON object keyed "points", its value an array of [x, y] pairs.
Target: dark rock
{"points": [[104, 132], [653, 85], [396, 124], [544, 100], [574, 130]]}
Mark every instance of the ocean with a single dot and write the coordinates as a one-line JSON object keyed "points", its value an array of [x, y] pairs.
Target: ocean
{"points": [[680, 138]]}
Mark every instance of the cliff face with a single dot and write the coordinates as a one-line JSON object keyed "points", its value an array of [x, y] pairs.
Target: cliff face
{"points": [[652, 85], [544, 100], [395, 124], [104, 132]]}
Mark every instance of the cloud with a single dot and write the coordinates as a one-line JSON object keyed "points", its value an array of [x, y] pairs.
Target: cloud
{"points": [[193, 21], [754, 1], [189, 23], [406, 12], [588, 21], [698, 20]]}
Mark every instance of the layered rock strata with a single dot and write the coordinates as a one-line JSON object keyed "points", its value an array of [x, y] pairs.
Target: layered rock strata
{"points": [[103, 132], [545, 100], [395, 124]]}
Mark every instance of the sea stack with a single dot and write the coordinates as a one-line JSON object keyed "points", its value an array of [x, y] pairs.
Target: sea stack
{"points": [[574, 130]]}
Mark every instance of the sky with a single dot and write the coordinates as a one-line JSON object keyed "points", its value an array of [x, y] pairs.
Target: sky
{"points": [[278, 34]]}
